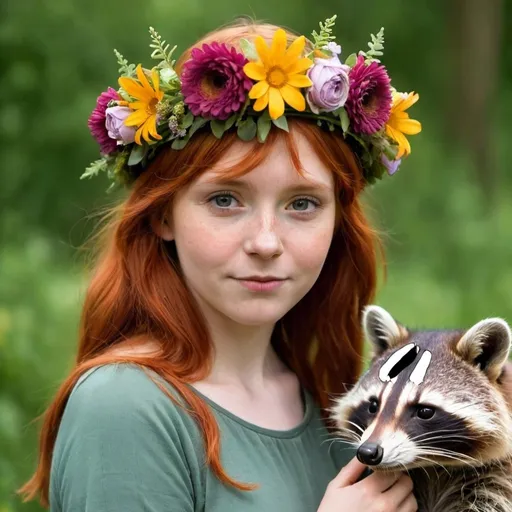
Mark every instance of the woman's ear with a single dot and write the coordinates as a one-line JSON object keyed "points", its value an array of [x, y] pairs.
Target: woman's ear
{"points": [[162, 227]]}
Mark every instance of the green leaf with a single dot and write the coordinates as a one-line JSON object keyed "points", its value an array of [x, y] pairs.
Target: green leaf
{"points": [[281, 122], [95, 168], [264, 124], [351, 60], [325, 35], [161, 48], [180, 143], [199, 122], [247, 129], [375, 45], [391, 151], [248, 49], [113, 186], [125, 69], [345, 121], [137, 154], [218, 128], [187, 121], [231, 121], [361, 141], [167, 75]]}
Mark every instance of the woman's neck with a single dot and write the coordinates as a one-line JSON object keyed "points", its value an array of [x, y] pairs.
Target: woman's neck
{"points": [[243, 355]]}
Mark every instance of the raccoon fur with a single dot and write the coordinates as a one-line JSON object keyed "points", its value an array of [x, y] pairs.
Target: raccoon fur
{"points": [[431, 403]]}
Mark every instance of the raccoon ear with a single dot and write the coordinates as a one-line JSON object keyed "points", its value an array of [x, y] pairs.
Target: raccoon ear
{"points": [[381, 329], [486, 345]]}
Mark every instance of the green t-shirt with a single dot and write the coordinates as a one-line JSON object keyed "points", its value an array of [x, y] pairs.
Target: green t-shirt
{"points": [[124, 446]]}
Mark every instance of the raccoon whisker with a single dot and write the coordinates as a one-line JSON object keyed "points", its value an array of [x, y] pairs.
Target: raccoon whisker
{"points": [[330, 446], [356, 441], [452, 437], [435, 432], [432, 462], [450, 455], [445, 437], [356, 425], [350, 431], [346, 386], [446, 451], [325, 434], [347, 429], [353, 437], [353, 443], [333, 441], [405, 467]]}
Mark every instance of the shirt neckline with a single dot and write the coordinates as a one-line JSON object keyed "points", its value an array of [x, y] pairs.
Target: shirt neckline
{"points": [[283, 434]]}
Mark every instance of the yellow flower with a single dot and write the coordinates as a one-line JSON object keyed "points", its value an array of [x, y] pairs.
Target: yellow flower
{"points": [[145, 113], [399, 123], [279, 73]]}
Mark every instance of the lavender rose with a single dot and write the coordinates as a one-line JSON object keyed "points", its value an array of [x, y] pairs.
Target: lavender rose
{"points": [[114, 122], [330, 85]]}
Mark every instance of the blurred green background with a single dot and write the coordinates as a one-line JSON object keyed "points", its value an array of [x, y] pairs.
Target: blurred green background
{"points": [[446, 216]]}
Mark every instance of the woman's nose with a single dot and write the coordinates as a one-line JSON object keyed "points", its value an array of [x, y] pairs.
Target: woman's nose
{"points": [[263, 239]]}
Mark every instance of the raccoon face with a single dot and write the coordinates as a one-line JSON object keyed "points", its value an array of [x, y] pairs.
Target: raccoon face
{"points": [[429, 397]]}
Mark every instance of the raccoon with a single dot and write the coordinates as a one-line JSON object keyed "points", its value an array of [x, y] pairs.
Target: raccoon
{"points": [[431, 403]]}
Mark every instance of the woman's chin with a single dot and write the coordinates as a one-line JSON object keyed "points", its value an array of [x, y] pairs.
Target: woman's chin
{"points": [[259, 317]]}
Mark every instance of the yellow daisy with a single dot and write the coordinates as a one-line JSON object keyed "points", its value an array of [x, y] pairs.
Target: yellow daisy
{"points": [[399, 123], [279, 73], [145, 113]]}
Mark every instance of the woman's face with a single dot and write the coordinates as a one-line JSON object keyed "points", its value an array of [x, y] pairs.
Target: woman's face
{"points": [[269, 223]]}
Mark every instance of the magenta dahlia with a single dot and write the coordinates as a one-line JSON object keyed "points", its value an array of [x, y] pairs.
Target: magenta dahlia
{"points": [[213, 82], [97, 120], [369, 99]]}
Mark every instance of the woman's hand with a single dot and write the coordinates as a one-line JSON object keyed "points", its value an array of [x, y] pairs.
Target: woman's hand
{"points": [[379, 492]]}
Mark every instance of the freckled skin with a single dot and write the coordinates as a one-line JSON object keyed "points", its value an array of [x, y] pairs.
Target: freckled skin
{"points": [[258, 231]]}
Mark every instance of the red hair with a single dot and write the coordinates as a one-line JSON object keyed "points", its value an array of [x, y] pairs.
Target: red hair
{"points": [[128, 300]]}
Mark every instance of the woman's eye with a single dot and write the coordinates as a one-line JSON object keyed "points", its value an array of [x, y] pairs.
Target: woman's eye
{"points": [[225, 201], [301, 204], [222, 200]]}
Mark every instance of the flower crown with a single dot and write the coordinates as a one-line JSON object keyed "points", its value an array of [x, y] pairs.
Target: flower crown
{"points": [[223, 89]]}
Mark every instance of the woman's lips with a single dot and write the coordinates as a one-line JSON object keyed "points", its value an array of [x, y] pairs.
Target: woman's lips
{"points": [[261, 286]]}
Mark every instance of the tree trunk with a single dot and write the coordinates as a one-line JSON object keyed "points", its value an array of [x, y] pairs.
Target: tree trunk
{"points": [[476, 28]]}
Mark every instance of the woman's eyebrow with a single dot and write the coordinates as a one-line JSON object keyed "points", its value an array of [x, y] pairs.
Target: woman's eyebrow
{"points": [[298, 187]]}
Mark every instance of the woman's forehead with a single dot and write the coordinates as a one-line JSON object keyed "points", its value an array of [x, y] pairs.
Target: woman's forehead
{"points": [[277, 167]]}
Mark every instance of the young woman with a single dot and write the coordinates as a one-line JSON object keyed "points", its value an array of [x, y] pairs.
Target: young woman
{"points": [[224, 310]]}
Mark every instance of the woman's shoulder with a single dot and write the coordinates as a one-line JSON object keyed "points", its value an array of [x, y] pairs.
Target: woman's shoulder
{"points": [[123, 444], [117, 393], [115, 378]]}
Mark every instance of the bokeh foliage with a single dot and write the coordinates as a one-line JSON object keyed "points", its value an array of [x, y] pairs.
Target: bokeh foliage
{"points": [[446, 221]]}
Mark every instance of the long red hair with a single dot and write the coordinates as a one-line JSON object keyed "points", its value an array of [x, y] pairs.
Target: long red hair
{"points": [[128, 300]]}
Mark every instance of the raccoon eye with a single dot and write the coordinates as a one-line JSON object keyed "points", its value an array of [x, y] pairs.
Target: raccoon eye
{"points": [[374, 406], [425, 413]]}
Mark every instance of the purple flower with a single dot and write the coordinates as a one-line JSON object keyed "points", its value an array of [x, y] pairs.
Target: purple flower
{"points": [[330, 85], [391, 165], [213, 82], [97, 119], [174, 127], [369, 99], [114, 123]]}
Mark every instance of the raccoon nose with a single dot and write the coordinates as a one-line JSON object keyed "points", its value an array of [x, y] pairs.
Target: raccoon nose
{"points": [[370, 453]]}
